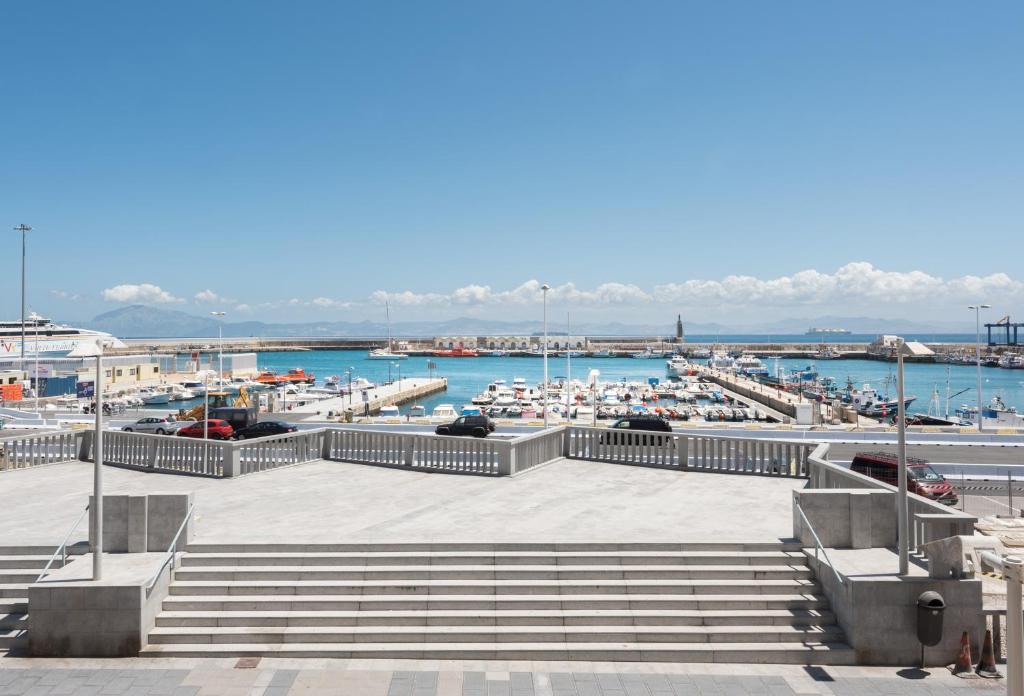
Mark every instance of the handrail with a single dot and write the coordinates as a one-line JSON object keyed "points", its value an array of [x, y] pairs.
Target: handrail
{"points": [[63, 548], [817, 543], [171, 553]]}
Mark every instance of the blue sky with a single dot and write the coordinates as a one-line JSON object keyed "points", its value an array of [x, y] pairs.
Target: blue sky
{"points": [[305, 160]]}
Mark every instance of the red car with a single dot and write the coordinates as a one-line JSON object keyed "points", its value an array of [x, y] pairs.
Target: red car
{"points": [[218, 430]]}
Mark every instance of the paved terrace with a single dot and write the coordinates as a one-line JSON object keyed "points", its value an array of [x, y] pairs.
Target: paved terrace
{"points": [[565, 500]]}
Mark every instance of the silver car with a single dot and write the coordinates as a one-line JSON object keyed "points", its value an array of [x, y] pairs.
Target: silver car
{"points": [[160, 426]]}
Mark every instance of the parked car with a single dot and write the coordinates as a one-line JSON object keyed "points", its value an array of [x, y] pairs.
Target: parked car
{"points": [[477, 426], [217, 429], [265, 429], [238, 417], [922, 479], [160, 426], [637, 430]]}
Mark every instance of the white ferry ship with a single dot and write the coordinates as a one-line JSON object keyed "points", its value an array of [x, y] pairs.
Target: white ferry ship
{"points": [[45, 338]]}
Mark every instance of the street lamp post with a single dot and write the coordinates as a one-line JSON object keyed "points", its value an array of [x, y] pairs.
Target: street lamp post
{"points": [[349, 372], [902, 513], [90, 349], [977, 355], [220, 336], [35, 385], [544, 288], [23, 229]]}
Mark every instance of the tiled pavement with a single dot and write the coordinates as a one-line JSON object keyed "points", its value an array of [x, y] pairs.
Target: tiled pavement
{"points": [[322, 678]]}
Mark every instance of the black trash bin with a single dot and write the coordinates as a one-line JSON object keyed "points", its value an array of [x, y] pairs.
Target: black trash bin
{"points": [[930, 608]]}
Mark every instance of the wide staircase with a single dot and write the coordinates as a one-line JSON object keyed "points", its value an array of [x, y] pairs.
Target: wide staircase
{"points": [[20, 566], [630, 601]]}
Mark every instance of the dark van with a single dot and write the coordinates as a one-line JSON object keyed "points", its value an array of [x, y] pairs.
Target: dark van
{"points": [[922, 479], [238, 417]]}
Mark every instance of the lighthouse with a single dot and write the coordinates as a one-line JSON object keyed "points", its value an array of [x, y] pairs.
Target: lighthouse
{"points": [[680, 338]]}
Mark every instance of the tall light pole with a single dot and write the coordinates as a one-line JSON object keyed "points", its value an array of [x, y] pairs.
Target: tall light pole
{"points": [[977, 355], [90, 349], [23, 229], [544, 288], [902, 513], [35, 385], [220, 336]]}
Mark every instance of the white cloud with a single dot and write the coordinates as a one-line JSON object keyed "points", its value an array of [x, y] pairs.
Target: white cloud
{"points": [[144, 292], [858, 282], [210, 297], [328, 303], [65, 295], [243, 308]]}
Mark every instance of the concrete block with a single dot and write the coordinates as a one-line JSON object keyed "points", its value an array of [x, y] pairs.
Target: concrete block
{"points": [[137, 513], [166, 512]]}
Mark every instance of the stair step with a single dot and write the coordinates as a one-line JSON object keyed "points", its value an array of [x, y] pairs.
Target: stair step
{"points": [[10, 637], [498, 634], [14, 605], [534, 558], [550, 617], [10, 621], [36, 562], [492, 602], [467, 572], [24, 577], [433, 587], [435, 547], [10, 591], [778, 653]]}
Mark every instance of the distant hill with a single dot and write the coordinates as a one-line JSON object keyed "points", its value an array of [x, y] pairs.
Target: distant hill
{"points": [[141, 321]]}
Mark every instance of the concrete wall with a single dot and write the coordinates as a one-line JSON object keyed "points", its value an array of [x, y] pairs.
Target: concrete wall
{"points": [[72, 616], [878, 613], [140, 523], [846, 518]]}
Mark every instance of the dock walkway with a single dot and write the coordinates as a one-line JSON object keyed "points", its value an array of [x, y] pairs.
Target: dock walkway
{"points": [[370, 401]]}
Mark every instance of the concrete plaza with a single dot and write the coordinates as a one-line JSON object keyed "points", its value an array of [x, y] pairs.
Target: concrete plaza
{"points": [[277, 677], [566, 500]]}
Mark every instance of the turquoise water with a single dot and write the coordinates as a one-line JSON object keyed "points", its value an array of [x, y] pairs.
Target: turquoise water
{"points": [[469, 376]]}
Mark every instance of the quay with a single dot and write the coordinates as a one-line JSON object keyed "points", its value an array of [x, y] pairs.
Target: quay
{"points": [[369, 402], [785, 406]]}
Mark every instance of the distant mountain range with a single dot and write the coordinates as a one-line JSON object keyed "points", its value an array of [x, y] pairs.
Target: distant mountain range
{"points": [[141, 321]]}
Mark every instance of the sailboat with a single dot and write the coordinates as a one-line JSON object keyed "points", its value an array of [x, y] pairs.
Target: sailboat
{"points": [[386, 353]]}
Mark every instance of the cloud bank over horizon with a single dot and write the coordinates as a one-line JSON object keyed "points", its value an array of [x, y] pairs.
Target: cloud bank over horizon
{"points": [[855, 286]]}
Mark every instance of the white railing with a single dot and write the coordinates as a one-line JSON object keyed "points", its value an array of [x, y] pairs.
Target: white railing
{"points": [[166, 453], [441, 453], [37, 449], [266, 453], [529, 451], [929, 520], [732, 455]]}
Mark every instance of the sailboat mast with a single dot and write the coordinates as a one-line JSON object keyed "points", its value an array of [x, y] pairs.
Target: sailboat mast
{"points": [[387, 315], [568, 368]]}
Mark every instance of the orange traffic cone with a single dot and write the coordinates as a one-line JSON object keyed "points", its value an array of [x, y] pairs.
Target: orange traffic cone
{"points": [[987, 663], [963, 666]]}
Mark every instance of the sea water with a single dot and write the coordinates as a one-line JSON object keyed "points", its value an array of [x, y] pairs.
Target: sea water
{"points": [[468, 377]]}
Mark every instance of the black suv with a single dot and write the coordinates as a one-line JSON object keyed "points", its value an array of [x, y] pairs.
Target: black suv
{"points": [[636, 430], [264, 429], [477, 426]]}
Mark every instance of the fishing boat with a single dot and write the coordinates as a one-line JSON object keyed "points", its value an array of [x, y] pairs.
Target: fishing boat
{"points": [[417, 411], [827, 353], [603, 353], [459, 352], [1011, 361], [1003, 415], [751, 366]]}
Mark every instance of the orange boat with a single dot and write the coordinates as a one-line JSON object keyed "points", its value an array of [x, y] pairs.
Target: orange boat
{"points": [[455, 353], [297, 375], [268, 377]]}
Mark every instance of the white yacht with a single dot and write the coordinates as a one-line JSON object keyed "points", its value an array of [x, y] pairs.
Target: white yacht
{"points": [[445, 411], [751, 366], [46, 339], [154, 397], [387, 352], [677, 366]]}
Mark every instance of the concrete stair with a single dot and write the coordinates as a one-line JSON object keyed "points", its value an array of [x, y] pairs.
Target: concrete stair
{"points": [[20, 566], [622, 602]]}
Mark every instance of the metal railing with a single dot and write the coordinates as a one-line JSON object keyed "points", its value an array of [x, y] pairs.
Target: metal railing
{"points": [[172, 551], [817, 544], [62, 550]]}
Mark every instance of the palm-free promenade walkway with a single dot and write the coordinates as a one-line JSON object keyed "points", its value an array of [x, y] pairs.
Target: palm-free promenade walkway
{"points": [[330, 502]]}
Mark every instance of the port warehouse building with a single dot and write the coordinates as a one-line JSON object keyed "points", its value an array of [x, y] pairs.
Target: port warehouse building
{"points": [[556, 341], [59, 376]]}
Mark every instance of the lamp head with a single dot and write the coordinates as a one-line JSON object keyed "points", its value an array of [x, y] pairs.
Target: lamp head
{"points": [[90, 349], [545, 287]]}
